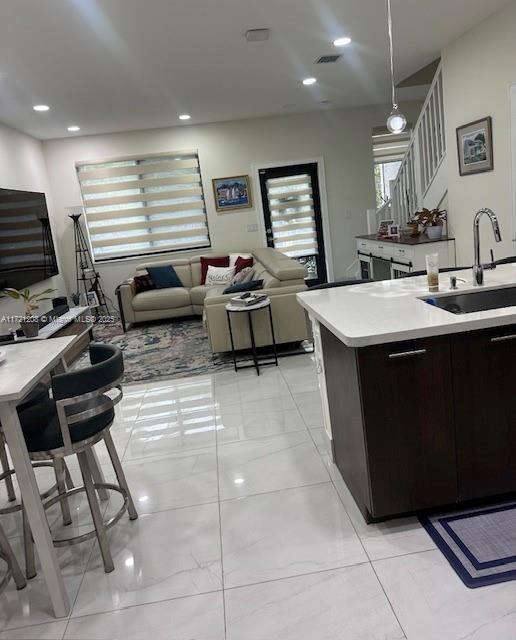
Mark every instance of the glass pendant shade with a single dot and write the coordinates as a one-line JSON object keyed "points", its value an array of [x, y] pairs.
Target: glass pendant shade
{"points": [[396, 122]]}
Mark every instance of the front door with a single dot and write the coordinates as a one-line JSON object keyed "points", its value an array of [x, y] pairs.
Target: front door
{"points": [[292, 214]]}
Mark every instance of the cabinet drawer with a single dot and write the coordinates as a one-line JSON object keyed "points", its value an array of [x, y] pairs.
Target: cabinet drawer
{"points": [[364, 246], [403, 254]]}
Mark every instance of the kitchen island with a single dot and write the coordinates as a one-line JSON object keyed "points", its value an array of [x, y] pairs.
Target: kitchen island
{"points": [[418, 400]]}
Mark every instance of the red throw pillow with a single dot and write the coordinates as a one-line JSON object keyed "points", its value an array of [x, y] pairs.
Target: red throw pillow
{"points": [[242, 263], [215, 262]]}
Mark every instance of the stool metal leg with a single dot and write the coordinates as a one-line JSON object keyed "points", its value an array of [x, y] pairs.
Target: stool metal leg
{"points": [[113, 454], [28, 543], [4, 461], [68, 477], [232, 341], [95, 512], [61, 489], [96, 472], [14, 567], [273, 336], [253, 343]]}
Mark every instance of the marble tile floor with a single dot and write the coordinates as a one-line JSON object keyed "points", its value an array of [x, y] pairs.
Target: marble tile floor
{"points": [[246, 532]]}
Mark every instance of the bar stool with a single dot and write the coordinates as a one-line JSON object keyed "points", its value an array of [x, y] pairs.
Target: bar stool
{"points": [[79, 416], [13, 568], [63, 479]]}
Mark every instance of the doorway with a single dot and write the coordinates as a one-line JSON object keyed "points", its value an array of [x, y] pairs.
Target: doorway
{"points": [[292, 215]]}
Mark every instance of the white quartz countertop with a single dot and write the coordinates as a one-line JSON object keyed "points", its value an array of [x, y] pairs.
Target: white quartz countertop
{"points": [[392, 311]]}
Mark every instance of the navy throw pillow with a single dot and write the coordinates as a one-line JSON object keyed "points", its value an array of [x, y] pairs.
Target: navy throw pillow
{"points": [[164, 277], [244, 286]]}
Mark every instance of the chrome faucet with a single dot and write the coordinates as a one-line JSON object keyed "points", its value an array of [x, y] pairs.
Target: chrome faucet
{"points": [[478, 267]]}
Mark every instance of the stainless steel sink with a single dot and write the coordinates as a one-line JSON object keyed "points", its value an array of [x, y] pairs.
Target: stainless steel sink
{"points": [[476, 301]]}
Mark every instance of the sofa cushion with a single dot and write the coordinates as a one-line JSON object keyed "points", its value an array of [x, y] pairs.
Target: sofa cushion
{"points": [[219, 276], [222, 261], [214, 292], [244, 286], [181, 267], [143, 283], [243, 263], [164, 277], [279, 265], [172, 298], [233, 257], [197, 294]]}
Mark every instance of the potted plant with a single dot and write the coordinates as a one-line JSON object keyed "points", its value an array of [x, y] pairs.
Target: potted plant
{"points": [[432, 220], [30, 322]]}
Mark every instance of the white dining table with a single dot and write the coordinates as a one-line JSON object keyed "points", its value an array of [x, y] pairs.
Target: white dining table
{"points": [[24, 365]]}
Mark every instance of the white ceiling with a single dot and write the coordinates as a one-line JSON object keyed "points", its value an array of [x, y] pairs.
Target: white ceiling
{"points": [[116, 65]]}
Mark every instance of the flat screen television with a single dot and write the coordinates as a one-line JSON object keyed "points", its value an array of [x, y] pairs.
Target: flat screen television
{"points": [[27, 252]]}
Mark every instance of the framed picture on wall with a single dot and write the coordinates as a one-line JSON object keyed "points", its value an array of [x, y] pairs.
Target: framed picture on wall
{"points": [[475, 147], [232, 193]]}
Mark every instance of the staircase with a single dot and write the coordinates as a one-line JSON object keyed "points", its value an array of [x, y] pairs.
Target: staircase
{"points": [[421, 180]]}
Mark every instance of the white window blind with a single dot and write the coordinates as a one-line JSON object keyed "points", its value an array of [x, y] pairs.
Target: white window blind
{"points": [[390, 147], [292, 215], [150, 204]]}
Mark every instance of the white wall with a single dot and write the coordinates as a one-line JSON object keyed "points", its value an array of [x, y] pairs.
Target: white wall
{"points": [[342, 138], [478, 70], [22, 166]]}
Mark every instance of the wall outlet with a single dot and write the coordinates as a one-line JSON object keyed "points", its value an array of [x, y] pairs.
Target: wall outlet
{"points": [[252, 227]]}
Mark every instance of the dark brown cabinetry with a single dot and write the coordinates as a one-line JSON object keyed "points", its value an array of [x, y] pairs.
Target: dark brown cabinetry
{"points": [[424, 423], [408, 419], [484, 387]]}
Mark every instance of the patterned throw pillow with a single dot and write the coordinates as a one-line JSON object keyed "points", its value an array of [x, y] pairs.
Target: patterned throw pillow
{"points": [[233, 257], [219, 276], [143, 283], [241, 276], [223, 261], [242, 263]]}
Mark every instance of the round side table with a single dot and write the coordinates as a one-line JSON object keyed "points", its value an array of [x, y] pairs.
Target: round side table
{"points": [[257, 359]]}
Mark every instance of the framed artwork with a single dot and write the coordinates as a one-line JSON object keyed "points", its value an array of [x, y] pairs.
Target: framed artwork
{"points": [[475, 147], [92, 299], [383, 227], [232, 193], [394, 231]]}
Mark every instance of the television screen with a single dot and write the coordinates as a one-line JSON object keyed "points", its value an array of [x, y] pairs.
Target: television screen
{"points": [[27, 252]]}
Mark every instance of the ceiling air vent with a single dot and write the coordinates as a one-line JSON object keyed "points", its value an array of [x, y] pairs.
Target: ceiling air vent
{"points": [[327, 59], [257, 35]]}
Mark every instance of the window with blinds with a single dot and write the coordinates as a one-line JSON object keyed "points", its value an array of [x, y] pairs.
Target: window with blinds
{"points": [[292, 215], [138, 206], [390, 147]]}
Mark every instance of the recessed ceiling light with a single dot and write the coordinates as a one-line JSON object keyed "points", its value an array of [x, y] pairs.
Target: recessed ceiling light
{"points": [[73, 128], [309, 81], [185, 116], [342, 42], [41, 107]]}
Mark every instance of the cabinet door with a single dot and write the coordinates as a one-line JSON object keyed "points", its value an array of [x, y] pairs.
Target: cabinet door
{"points": [[484, 380], [407, 407]]}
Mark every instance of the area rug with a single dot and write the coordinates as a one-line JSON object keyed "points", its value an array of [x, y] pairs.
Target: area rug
{"points": [[479, 544], [159, 350]]}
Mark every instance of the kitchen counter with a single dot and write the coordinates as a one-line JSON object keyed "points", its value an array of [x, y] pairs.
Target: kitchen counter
{"points": [[392, 310], [418, 402], [410, 240]]}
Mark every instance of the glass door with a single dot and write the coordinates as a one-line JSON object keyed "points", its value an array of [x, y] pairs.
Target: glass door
{"points": [[292, 216]]}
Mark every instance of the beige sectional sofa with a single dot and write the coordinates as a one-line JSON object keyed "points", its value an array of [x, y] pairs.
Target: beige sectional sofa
{"points": [[282, 279]]}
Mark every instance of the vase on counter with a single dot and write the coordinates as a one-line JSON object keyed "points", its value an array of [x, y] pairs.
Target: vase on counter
{"points": [[434, 232], [30, 327]]}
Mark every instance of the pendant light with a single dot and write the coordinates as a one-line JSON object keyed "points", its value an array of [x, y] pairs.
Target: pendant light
{"points": [[396, 122]]}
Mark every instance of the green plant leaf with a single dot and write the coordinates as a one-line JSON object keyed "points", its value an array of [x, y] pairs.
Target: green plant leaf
{"points": [[12, 293]]}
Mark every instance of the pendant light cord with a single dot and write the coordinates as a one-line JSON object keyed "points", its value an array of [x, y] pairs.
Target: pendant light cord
{"points": [[389, 22]]}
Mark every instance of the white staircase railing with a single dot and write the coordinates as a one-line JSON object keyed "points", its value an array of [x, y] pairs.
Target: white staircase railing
{"points": [[424, 157]]}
